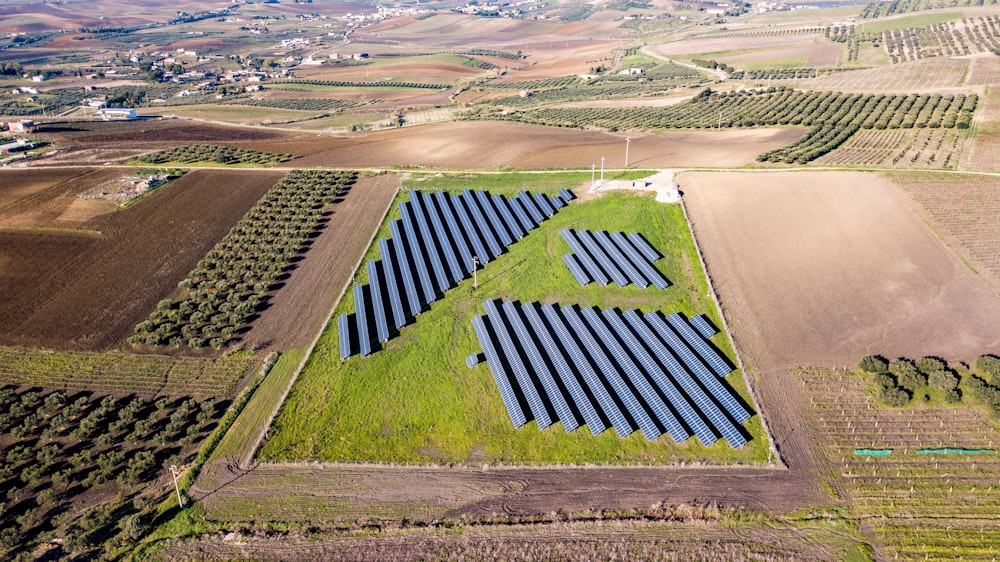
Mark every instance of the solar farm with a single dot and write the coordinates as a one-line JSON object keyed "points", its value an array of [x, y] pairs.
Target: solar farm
{"points": [[406, 393], [600, 256]]}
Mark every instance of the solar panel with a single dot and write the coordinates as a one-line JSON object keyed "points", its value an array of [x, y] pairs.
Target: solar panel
{"points": [[344, 334], [576, 269], [583, 255], [444, 241], [522, 216], [698, 322], [361, 316], [378, 310], [611, 374], [529, 205], [431, 250], [644, 247], [508, 217], [660, 379], [602, 259], [419, 264], [528, 389], [543, 204], [405, 269], [457, 236], [625, 364], [480, 222], [493, 219], [719, 392], [499, 373], [563, 369], [699, 345], [597, 389], [471, 360], [639, 261], [567, 195], [697, 395], [619, 259], [472, 235], [541, 370], [392, 288], [557, 202]]}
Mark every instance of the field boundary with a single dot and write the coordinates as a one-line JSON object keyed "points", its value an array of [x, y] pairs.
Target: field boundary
{"points": [[725, 327]]}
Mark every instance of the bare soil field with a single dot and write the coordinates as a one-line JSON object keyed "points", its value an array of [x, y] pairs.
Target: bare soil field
{"points": [[985, 152], [421, 70], [717, 45], [16, 184], [296, 313], [985, 70], [570, 541], [964, 209], [87, 288], [940, 75], [822, 268], [488, 145], [48, 207]]}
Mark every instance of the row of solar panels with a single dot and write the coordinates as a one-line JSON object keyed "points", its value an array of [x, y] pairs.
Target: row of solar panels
{"points": [[602, 257], [435, 244], [596, 367]]}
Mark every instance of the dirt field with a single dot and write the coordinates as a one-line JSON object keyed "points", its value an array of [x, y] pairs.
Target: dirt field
{"points": [[595, 540], [87, 286], [491, 145], [297, 312], [17, 184], [822, 268]]}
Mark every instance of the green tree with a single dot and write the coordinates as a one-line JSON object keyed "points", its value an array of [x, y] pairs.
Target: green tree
{"points": [[942, 380], [894, 396], [874, 364], [989, 367]]}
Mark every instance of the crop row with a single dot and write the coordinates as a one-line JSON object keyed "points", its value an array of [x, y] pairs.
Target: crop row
{"points": [[882, 9], [542, 84], [64, 455], [943, 39], [924, 148], [302, 104], [608, 89], [228, 287], [188, 154], [376, 84]]}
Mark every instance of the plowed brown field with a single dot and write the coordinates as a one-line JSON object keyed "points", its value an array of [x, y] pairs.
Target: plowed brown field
{"points": [[85, 288], [823, 268]]}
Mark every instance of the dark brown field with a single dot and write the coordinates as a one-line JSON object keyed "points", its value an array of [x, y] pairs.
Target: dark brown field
{"points": [[85, 287]]}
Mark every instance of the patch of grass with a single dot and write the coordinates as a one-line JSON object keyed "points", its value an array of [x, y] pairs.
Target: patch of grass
{"points": [[417, 402]]}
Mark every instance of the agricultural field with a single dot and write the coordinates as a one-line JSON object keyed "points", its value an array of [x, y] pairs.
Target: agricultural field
{"points": [[963, 210], [920, 505], [985, 152], [882, 283], [937, 74], [110, 268], [901, 148]]}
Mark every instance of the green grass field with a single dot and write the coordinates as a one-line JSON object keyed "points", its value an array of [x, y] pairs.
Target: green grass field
{"points": [[919, 20], [417, 402]]}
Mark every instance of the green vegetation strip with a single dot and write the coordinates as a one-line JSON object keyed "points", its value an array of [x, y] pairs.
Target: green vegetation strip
{"points": [[953, 451], [417, 402], [213, 154], [873, 452]]}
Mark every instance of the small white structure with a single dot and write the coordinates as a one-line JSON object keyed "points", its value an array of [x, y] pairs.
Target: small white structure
{"points": [[112, 113]]}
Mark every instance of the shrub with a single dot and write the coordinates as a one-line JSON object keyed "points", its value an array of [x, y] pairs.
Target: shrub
{"points": [[928, 365], [943, 380], [989, 366], [885, 380], [913, 381], [952, 396], [894, 396], [874, 364]]}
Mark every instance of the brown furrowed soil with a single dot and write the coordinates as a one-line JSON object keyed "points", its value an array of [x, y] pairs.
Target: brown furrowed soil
{"points": [[296, 312], [823, 268], [86, 289], [472, 145], [569, 540], [17, 184]]}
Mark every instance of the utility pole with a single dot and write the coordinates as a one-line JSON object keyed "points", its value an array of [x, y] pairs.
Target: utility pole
{"points": [[719, 128], [475, 272], [602, 170], [627, 141], [173, 471], [592, 168]]}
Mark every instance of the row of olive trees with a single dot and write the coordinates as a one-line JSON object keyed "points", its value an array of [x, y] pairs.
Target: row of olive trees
{"points": [[898, 381]]}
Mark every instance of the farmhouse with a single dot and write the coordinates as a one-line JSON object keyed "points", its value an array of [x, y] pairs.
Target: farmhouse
{"points": [[109, 113], [22, 126]]}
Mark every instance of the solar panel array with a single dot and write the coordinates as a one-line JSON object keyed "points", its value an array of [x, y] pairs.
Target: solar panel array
{"points": [[703, 326], [432, 248], [604, 257], [595, 367]]}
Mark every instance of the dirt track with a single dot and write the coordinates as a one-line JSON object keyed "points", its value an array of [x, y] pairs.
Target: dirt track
{"points": [[823, 268], [297, 311]]}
